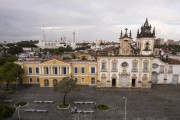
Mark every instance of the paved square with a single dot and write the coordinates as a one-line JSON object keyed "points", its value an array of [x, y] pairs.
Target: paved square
{"points": [[161, 103]]}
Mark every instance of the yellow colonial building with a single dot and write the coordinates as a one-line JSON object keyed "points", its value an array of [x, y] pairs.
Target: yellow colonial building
{"points": [[48, 73]]}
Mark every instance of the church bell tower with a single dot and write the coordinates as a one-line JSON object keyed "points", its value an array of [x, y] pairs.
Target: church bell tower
{"points": [[145, 39]]}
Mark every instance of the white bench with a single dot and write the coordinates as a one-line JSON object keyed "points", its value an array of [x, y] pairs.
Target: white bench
{"points": [[78, 111], [89, 102], [48, 101], [30, 110], [6, 101], [78, 102], [88, 111], [38, 101], [42, 111]]}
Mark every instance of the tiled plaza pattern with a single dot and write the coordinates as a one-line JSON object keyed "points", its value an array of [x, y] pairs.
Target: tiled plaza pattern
{"points": [[161, 103]]}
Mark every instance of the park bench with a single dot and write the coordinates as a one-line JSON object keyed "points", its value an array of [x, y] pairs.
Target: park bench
{"points": [[78, 111], [30, 110], [89, 102], [48, 101], [78, 102], [6, 101], [88, 111], [41, 111], [38, 101]]}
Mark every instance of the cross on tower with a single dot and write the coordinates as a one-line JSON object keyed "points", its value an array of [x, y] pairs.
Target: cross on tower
{"points": [[126, 31]]}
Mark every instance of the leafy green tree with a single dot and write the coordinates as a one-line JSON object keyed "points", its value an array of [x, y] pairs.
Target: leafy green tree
{"points": [[65, 86], [10, 44], [74, 56], [26, 44], [6, 111], [2, 61], [83, 58], [15, 50], [10, 72], [68, 49]]}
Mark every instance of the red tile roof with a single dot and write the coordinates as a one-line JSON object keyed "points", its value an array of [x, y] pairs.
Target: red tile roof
{"points": [[173, 61]]}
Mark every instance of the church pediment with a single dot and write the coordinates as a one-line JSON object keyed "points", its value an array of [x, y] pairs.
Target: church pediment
{"points": [[54, 62]]}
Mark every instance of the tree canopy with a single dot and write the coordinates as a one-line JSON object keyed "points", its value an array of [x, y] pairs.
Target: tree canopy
{"points": [[6, 111], [65, 86], [26, 43], [11, 71], [15, 50]]}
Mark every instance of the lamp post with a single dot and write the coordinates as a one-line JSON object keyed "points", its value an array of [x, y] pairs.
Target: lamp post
{"points": [[18, 112], [125, 108], [17, 84]]}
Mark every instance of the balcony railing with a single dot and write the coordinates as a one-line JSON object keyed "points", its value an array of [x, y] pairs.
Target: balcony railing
{"points": [[161, 72], [170, 71], [134, 70], [145, 70], [114, 70], [103, 70]]}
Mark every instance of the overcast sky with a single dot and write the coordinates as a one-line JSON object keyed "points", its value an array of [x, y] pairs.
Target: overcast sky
{"points": [[90, 19]]}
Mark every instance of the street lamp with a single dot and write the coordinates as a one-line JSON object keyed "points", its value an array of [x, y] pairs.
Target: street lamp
{"points": [[17, 84], [125, 108], [18, 111]]}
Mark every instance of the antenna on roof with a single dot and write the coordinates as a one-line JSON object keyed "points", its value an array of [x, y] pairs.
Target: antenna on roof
{"points": [[43, 33], [74, 36]]}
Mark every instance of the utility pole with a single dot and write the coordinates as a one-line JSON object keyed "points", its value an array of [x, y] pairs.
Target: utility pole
{"points": [[74, 36], [43, 33]]}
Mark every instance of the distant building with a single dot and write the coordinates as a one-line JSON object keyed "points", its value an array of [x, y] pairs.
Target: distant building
{"points": [[170, 42], [158, 41], [176, 42], [55, 44]]}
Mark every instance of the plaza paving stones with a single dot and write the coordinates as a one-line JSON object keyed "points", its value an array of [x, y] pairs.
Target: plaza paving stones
{"points": [[161, 103]]}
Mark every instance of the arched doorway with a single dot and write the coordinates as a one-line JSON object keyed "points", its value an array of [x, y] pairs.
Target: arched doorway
{"points": [[133, 84], [55, 82], [133, 80], [154, 77], [92, 81], [46, 83], [113, 82]]}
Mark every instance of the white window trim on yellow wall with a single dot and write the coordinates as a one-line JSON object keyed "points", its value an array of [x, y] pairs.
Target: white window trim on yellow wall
{"points": [[28, 70], [36, 80], [29, 80], [90, 70], [82, 71], [36, 71], [77, 80], [82, 80]]}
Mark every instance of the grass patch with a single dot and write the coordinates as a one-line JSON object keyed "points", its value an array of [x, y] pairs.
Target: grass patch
{"points": [[62, 106], [11, 91], [102, 107], [21, 104]]}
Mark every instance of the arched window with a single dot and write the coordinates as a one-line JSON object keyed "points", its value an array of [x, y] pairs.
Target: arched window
{"points": [[92, 80], [55, 82], [46, 82]]}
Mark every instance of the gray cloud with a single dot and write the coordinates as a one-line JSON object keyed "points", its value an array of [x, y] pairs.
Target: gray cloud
{"points": [[90, 19]]}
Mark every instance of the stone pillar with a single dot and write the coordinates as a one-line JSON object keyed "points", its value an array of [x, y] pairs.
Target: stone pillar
{"points": [[165, 73], [49, 69], [69, 71], [140, 71], [108, 71], [150, 70], [52, 71], [42, 69], [58, 70]]}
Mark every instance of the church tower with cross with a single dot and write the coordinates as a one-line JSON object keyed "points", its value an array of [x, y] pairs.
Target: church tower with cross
{"points": [[125, 43], [145, 39]]}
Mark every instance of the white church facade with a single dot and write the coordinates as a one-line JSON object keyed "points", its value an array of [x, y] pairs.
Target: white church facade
{"points": [[136, 66]]}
